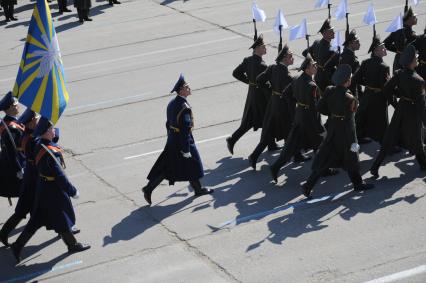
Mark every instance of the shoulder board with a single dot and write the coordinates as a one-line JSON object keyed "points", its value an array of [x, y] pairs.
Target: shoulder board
{"points": [[43, 151], [186, 105], [15, 125]]}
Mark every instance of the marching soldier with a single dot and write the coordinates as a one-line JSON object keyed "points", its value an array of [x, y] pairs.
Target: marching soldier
{"points": [[306, 130], [421, 48], [340, 147], [11, 158], [372, 116], [257, 97], [180, 160], [348, 56], [27, 190], [9, 9], [83, 7], [398, 40], [52, 208], [281, 106], [405, 128], [327, 59]]}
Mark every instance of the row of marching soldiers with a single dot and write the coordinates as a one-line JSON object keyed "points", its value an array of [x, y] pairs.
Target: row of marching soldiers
{"points": [[354, 96], [31, 168]]}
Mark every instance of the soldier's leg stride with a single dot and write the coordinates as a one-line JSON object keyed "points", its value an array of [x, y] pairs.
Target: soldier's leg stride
{"points": [[80, 15], [8, 227], [232, 140], [310, 183], [198, 189], [374, 170], [86, 15], [149, 188], [359, 184], [11, 12], [22, 240], [72, 244]]}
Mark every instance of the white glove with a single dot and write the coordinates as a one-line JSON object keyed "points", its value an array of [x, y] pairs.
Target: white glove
{"points": [[186, 154], [77, 195], [355, 147], [20, 174]]}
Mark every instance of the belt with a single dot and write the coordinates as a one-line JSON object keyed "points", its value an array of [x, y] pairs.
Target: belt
{"points": [[276, 92], [301, 105], [422, 62], [252, 84], [174, 129], [374, 89], [340, 117], [47, 178]]}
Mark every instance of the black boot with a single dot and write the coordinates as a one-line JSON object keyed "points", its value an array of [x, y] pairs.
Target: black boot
{"points": [[374, 170], [307, 190], [198, 190], [149, 188], [299, 157], [274, 147], [230, 145], [116, 2], [252, 161], [111, 3], [10, 224], [80, 15], [421, 159], [72, 244], [363, 187], [11, 12], [20, 243], [330, 172], [274, 172], [86, 15]]}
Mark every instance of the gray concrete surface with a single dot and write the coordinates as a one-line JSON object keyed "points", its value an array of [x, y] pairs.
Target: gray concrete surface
{"points": [[120, 69]]}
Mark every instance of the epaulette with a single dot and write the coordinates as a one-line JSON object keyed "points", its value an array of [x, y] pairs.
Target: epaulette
{"points": [[43, 151], [12, 125]]}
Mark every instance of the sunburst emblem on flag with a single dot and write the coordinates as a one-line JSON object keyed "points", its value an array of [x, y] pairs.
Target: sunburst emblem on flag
{"points": [[40, 83]]}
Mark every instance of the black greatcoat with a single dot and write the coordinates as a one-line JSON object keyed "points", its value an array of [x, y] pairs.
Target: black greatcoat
{"points": [[420, 45], [327, 62], [281, 106], [257, 97], [340, 106], [348, 57], [8, 2], [405, 128], [83, 4], [171, 162], [397, 41], [372, 116]]}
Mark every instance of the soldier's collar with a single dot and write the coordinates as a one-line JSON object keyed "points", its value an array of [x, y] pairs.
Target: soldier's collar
{"points": [[184, 98]]}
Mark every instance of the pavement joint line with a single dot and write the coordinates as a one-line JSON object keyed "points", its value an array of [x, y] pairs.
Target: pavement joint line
{"points": [[400, 275], [35, 274]]}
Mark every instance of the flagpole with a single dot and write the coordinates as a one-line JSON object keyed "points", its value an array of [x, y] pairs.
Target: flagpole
{"points": [[406, 6], [374, 30], [347, 26], [280, 46], [255, 29], [329, 10], [307, 39]]}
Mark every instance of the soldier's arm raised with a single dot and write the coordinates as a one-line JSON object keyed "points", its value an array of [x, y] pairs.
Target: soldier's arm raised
{"points": [[390, 42], [240, 72]]}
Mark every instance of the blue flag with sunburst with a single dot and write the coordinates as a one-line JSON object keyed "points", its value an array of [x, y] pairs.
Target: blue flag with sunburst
{"points": [[40, 83]]}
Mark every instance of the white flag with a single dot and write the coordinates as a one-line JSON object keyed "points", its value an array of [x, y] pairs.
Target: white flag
{"points": [[396, 24], [415, 2], [341, 10], [321, 3], [280, 21], [337, 42], [299, 31], [370, 16], [258, 14]]}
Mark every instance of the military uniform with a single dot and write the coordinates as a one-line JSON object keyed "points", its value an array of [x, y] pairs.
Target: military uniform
{"points": [[348, 57], [405, 128], [9, 7], [52, 207], [398, 40], [340, 146], [83, 7], [307, 128], [420, 45], [12, 159], [281, 106], [180, 160], [372, 116], [27, 189], [257, 97], [327, 59]]}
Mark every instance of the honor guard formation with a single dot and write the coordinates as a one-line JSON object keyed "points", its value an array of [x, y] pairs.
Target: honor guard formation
{"points": [[326, 112]]}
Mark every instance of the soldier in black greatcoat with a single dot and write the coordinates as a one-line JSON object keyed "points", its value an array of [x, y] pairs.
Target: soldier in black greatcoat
{"points": [[12, 159], [281, 106], [180, 160], [9, 7], [52, 206], [340, 146], [348, 56], [83, 7], [420, 45], [27, 190], [257, 97], [398, 40], [372, 116], [327, 59], [405, 128], [307, 128]]}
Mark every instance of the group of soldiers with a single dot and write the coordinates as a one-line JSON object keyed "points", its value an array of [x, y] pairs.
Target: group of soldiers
{"points": [[32, 168], [82, 6]]}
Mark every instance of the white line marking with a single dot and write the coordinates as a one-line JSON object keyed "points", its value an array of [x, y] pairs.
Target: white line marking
{"points": [[160, 150], [400, 275]]}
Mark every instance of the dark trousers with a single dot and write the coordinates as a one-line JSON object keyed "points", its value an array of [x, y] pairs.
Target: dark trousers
{"points": [[9, 11], [10, 225], [239, 133], [62, 5], [83, 14]]}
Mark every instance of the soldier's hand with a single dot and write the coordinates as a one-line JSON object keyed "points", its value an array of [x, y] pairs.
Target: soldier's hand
{"points": [[186, 154], [77, 195], [355, 147], [20, 174]]}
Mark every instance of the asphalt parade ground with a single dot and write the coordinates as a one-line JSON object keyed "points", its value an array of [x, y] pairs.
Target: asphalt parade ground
{"points": [[120, 69]]}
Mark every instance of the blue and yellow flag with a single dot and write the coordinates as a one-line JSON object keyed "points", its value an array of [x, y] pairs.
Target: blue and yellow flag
{"points": [[40, 83]]}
